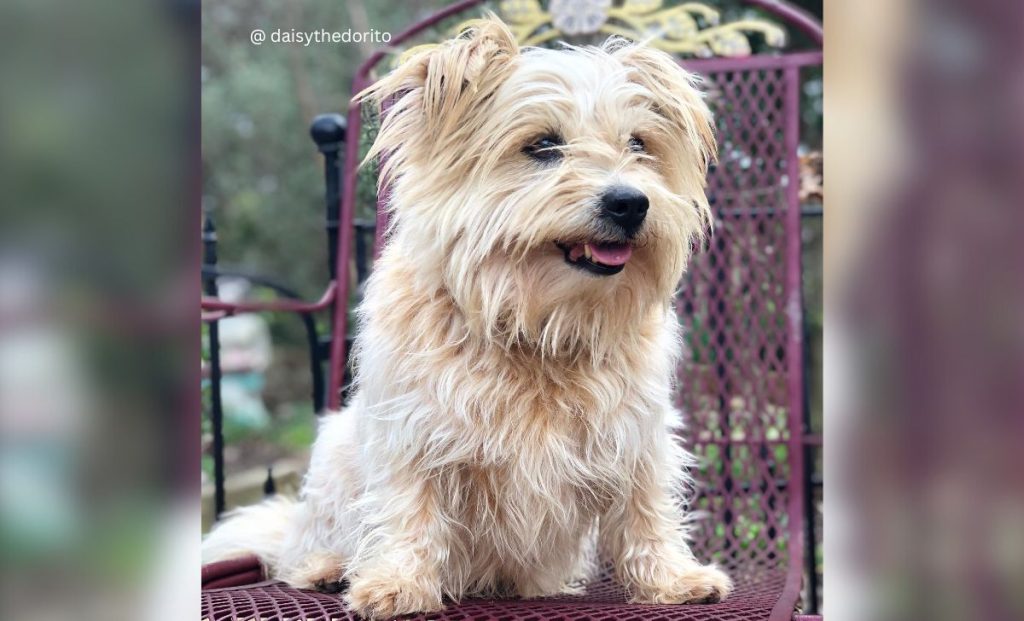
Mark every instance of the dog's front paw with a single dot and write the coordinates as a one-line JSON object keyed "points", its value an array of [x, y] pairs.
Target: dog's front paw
{"points": [[383, 595], [692, 584]]}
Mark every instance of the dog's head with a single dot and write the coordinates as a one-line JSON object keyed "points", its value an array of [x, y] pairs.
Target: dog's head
{"points": [[554, 194]]}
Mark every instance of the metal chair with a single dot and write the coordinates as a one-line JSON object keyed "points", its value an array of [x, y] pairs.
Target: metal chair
{"points": [[742, 382]]}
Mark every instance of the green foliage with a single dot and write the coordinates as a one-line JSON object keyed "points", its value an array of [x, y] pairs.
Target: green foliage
{"points": [[262, 174], [295, 429]]}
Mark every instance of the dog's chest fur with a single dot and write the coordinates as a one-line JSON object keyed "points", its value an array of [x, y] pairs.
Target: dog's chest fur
{"points": [[531, 492], [542, 449], [527, 450]]}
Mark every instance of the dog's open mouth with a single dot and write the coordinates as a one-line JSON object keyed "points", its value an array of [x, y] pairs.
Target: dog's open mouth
{"points": [[601, 258]]}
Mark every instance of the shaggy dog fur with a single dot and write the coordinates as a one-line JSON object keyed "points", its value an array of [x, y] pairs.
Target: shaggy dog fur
{"points": [[512, 414]]}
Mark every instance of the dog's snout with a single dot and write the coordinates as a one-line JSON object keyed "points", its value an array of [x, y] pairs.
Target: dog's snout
{"points": [[625, 206]]}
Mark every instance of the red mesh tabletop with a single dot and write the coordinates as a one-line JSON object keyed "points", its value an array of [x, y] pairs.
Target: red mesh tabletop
{"points": [[756, 594]]}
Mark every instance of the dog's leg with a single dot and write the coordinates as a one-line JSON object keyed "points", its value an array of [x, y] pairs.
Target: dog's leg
{"points": [[644, 538], [400, 573]]}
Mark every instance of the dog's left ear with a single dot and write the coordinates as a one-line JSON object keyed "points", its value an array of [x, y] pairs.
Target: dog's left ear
{"points": [[677, 97]]}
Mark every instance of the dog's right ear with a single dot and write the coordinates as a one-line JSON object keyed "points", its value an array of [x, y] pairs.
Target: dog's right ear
{"points": [[436, 86]]}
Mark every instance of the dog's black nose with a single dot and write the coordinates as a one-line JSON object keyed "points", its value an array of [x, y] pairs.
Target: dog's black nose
{"points": [[625, 206]]}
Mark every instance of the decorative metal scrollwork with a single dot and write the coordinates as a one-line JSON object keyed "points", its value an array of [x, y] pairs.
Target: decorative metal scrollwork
{"points": [[689, 28]]}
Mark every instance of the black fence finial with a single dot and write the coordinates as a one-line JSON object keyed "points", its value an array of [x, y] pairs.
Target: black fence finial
{"points": [[328, 132]]}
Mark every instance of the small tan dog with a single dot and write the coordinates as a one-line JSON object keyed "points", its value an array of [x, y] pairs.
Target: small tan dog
{"points": [[512, 418]]}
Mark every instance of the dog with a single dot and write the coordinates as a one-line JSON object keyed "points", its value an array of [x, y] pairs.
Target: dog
{"points": [[511, 423]]}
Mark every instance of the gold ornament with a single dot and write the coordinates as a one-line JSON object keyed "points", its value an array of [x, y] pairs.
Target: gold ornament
{"points": [[688, 28]]}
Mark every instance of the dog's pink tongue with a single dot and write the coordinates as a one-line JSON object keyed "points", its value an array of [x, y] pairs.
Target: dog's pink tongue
{"points": [[611, 254]]}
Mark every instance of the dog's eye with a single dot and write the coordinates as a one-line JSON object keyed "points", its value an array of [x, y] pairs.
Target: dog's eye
{"points": [[545, 149], [636, 145]]}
